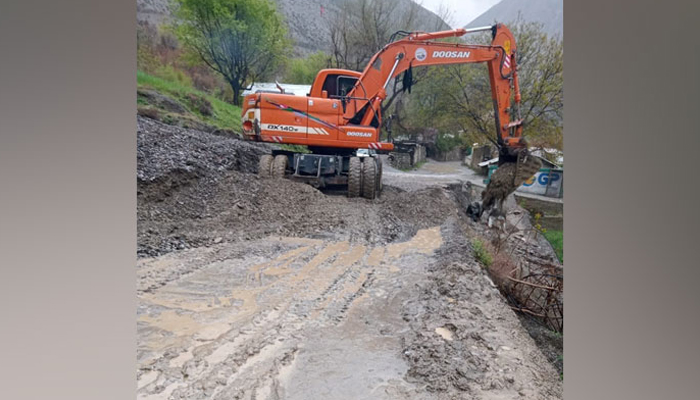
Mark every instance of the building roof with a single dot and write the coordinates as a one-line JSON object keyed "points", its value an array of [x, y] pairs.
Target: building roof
{"points": [[545, 162], [297, 90]]}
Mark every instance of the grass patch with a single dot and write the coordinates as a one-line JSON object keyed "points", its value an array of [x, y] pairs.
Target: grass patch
{"points": [[481, 253], [223, 115], [556, 238]]}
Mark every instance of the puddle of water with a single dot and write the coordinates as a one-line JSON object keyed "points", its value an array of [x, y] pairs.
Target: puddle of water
{"points": [[322, 256], [425, 241], [279, 265], [375, 257], [171, 321], [351, 257]]}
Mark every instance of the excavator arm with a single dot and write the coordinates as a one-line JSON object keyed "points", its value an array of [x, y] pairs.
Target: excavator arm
{"points": [[363, 102]]}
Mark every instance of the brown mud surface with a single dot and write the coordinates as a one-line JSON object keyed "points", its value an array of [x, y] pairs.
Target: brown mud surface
{"points": [[270, 289]]}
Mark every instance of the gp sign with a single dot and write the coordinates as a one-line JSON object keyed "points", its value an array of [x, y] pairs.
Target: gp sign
{"points": [[546, 182], [542, 179]]}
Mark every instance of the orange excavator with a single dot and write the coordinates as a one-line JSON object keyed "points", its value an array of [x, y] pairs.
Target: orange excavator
{"points": [[340, 119]]}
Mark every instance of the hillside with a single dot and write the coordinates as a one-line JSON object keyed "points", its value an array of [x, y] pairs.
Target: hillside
{"points": [[548, 12], [306, 19]]}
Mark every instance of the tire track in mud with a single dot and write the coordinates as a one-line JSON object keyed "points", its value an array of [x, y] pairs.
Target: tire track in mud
{"points": [[311, 285]]}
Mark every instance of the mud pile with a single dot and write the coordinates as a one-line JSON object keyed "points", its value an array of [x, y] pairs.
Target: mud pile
{"points": [[197, 189], [475, 350], [313, 288]]}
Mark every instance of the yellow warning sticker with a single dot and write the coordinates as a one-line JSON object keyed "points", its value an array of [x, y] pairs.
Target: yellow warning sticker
{"points": [[506, 45]]}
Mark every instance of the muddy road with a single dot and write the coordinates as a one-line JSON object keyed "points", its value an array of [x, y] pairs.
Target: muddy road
{"points": [[259, 289]]}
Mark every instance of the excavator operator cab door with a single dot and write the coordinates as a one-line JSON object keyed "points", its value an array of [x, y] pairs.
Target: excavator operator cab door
{"points": [[338, 85]]}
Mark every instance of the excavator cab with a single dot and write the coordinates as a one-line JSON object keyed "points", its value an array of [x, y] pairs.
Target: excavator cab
{"points": [[337, 83]]}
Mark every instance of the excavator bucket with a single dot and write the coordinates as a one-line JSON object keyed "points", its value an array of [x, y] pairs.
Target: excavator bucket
{"points": [[510, 174]]}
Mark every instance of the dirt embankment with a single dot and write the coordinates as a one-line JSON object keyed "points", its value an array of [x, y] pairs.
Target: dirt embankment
{"points": [[198, 189]]}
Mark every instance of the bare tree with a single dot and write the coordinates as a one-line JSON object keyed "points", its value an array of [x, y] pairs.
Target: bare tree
{"points": [[362, 27]]}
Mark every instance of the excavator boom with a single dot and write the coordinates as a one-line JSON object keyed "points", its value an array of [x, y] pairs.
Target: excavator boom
{"points": [[419, 50]]}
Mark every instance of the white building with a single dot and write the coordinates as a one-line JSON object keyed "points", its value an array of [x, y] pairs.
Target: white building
{"points": [[297, 90]]}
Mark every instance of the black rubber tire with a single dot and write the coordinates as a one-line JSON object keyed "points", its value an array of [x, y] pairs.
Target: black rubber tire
{"points": [[265, 166], [369, 178], [279, 166], [355, 177], [380, 185]]}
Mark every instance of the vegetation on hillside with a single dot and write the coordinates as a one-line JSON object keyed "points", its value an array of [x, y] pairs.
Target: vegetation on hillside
{"points": [[197, 108]]}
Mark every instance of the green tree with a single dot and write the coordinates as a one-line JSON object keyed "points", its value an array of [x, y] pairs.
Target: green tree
{"points": [[304, 70], [243, 40]]}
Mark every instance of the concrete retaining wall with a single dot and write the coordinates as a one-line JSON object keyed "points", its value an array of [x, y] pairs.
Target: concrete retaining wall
{"points": [[400, 160], [418, 154], [452, 155], [407, 155]]}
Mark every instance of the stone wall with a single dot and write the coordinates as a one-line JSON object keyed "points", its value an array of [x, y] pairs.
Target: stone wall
{"points": [[418, 154], [407, 155], [452, 155], [400, 160]]}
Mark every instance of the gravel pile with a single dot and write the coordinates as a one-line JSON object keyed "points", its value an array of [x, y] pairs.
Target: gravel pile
{"points": [[197, 189], [164, 149]]}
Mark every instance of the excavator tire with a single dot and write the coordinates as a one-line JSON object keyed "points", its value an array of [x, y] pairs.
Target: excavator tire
{"points": [[265, 166], [279, 166], [380, 186], [355, 177], [369, 178]]}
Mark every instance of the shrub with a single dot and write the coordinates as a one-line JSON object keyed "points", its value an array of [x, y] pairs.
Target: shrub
{"points": [[170, 73], [445, 142], [304, 70], [481, 253]]}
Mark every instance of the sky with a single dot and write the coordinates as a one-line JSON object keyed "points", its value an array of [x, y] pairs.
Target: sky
{"points": [[463, 11]]}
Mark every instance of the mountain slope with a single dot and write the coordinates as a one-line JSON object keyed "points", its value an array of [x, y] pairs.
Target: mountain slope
{"points": [[306, 19], [549, 12]]}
